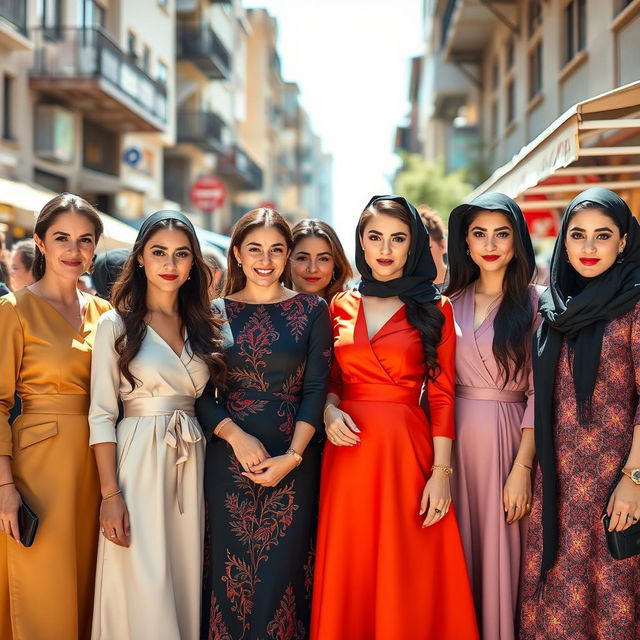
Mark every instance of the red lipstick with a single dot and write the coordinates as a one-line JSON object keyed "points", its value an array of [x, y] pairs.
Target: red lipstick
{"points": [[589, 262], [384, 262], [168, 276], [490, 257], [312, 280]]}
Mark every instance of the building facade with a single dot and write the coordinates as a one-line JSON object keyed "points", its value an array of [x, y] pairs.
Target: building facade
{"points": [[501, 80]]}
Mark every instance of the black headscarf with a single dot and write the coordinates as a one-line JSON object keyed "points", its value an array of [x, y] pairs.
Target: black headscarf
{"points": [[416, 281], [165, 214], [493, 202], [579, 309]]}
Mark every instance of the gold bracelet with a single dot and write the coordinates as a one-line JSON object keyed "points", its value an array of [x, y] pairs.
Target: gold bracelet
{"points": [[216, 431], [295, 454], [442, 467], [114, 493], [524, 466]]}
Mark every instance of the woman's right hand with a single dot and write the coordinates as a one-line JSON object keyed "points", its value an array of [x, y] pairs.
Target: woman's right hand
{"points": [[114, 520], [341, 430], [10, 502], [248, 450]]}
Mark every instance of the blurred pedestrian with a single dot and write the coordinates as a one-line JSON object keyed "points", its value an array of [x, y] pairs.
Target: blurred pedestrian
{"points": [[216, 262], [107, 269], [48, 331], [155, 351], [491, 266], [4, 267], [21, 264], [437, 241], [318, 262]]}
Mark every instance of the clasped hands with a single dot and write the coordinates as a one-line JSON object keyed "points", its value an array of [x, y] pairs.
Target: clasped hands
{"points": [[258, 465]]}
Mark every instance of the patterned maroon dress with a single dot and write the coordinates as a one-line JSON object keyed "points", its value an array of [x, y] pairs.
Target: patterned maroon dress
{"points": [[261, 544], [588, 594]]}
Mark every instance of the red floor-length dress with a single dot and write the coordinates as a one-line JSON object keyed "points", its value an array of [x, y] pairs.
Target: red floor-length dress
{"points": [[379, 575]]}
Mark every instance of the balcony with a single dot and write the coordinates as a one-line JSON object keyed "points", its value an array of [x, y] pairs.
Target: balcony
{"points": [[13, 25], [466, 26], [87, 70], [202, 129], [201, 46], [236, 165]]}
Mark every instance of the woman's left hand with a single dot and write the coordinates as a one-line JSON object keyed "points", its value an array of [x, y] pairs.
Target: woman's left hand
{"points": [[271, 471], [516, 495], [436, 498], [624, 505]]}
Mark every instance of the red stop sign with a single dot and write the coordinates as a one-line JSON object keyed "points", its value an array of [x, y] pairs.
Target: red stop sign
{"points": [[208, 193]]}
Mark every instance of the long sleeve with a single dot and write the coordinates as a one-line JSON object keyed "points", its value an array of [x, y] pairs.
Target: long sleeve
{"points": [[10, 364], [635, 357], [210, 410], [441, 391], [105, 381], [316, 372]]}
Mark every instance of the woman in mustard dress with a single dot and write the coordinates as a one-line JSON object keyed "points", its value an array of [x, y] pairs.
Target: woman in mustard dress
{"points": [[46, 590]]}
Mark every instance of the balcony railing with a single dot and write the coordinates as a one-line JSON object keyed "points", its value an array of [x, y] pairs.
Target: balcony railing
{"points": [[70, 54], [204, 129], [203, 47], [237, 165], [14, 12]]}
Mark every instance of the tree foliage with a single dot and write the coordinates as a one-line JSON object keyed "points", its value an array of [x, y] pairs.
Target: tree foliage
{"points": [[424, 183]]}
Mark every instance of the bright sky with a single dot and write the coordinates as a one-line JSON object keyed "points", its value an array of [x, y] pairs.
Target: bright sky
{"points": [[351, 61]]}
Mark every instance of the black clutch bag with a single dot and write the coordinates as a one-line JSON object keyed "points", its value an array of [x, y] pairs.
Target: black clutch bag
{"points": [[622, 544], [28, 522]]}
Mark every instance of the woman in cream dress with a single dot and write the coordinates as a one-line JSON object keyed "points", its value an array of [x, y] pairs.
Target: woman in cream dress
{"points": [[148, 576]]}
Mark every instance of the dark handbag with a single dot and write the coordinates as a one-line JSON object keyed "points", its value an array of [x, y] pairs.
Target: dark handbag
{"points": [[622, 544], [28, 522]]}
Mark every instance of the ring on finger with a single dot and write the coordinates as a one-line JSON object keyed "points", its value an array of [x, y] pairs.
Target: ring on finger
{"points": [[437, 512]]}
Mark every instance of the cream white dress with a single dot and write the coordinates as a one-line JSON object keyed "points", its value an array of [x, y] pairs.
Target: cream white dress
{"points": [[153, 588]]}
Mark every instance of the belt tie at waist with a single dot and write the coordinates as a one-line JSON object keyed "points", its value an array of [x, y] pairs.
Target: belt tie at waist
{"points": [[181, 433], [497, 395], [382, 392], [62, 404]]}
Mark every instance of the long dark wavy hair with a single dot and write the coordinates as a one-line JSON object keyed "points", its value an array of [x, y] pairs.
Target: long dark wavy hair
{"points": [[427, 318], [254, 219], [129, 298], [314, 228], [514, 318]]}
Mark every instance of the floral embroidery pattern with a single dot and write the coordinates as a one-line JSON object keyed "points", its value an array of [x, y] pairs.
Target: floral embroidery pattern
{"points": [[286, 624], [588, 595], [297, 315]]}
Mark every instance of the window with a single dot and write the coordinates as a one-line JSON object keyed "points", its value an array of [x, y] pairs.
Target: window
{"points": [[91, 14], [161, 72], [511, 52], [494, 119], [535, 69], [100, 148], [534, 16], [7, 107], [575, 28], [510, 91], [146, 59], [50, 18]]}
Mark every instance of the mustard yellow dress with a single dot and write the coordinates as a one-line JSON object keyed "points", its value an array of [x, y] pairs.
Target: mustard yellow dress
{"points": [[46, 590]]}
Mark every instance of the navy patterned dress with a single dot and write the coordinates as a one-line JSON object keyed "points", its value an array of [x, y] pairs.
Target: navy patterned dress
{"points": [[259, 566]]}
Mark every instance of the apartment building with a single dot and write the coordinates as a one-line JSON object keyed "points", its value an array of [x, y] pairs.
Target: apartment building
{"points": [[86, 94], [545, 94]]}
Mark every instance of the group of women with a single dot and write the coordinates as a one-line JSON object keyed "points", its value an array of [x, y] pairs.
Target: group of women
{"points": [[267, 465]]}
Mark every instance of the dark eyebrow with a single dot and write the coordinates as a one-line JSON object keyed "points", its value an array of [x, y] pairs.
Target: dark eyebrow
{"points": [[479, 228], [605, 229], [159, 246], [505, 228], [576, 229], [64, 233], [257, 244], [397, 233]]}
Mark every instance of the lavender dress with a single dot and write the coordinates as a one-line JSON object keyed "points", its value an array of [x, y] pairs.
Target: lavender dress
{"points": [[489, 420]]}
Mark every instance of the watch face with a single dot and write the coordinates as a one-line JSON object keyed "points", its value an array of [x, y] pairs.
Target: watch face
{"points": [[635, 475]]}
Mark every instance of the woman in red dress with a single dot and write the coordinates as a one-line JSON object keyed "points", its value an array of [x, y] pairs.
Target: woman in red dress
{"points": [[390, 563]]}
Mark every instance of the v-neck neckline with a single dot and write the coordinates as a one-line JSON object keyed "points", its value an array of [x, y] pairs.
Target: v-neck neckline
{"points": [[361, 313], [184, 343], [492, 311], [79, 330]]}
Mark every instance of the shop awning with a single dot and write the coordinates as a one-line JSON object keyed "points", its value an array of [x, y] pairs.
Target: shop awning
{"points": [[595, 141], [26, 200]]}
